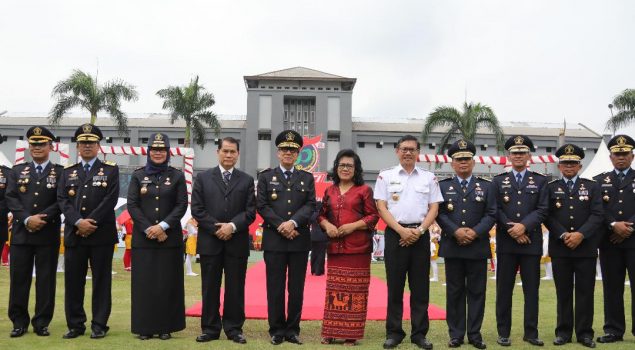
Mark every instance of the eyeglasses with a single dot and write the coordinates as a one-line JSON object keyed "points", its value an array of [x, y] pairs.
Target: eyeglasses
{"points": [[158, 150], [346, 166], [287, 149], [408, 150]]}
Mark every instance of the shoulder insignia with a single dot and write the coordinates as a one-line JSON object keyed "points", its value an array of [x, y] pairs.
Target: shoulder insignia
{"points": [[16, 166], [484, 178], [590, 180], [446, 178], [537, 173], [107, 162], [71, 165], [140, 168], [264, 170], [503, 173], [554, 180]]}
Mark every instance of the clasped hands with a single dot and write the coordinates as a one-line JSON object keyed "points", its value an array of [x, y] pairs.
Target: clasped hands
{"points": [[465, 235], [517, 232], [224, 231], [572, 239], [85, 227], [334, 232], [621, 231], [156, 232], [408, 236], [287, 230], [36, 222]]}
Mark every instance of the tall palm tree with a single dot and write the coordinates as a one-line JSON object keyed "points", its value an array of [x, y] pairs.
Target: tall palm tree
{"points": [[191, 103], [465, 124], [625, 105], [81, 90]]}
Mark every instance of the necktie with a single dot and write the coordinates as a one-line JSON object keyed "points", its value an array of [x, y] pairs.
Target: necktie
{"points": [[620, 176], [226, 177], [38, 170], [86, 168], [519, 178], [464, 185], [287, 174], [570, 184]]}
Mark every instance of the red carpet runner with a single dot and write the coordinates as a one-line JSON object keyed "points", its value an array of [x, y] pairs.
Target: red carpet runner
{"points": [[314, 292]]}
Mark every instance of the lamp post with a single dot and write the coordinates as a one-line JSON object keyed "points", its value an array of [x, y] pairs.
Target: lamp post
{"points": [[611, 109]]}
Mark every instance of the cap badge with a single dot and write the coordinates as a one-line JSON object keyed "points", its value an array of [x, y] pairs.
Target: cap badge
{"points": [[37, 131], [158, 137], [290, 136], [519, 140], [462, 144], [621, 141], [569, 149], [87, 128]]}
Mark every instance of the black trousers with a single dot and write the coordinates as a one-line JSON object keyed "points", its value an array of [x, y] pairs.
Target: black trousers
{"points": [[22, 259], [212, 268], [318, 257], [76, 265], [614, 263], [414, 262], [466, 282], [578, 273], [506, 267], [278, 264]]}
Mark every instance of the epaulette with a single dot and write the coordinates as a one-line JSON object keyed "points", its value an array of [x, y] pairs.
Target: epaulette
{"points": [[107, 162], [140, 168], [554, 180], [503, 173], [446, 178], [389, 168], [71, 165], [537, 173], [264, 170], [18, 165], [584, 178], [484, 179]]}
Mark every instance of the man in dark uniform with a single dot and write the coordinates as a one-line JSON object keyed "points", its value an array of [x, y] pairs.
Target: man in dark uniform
{"points": [[4, 211], [319, 242], [574, 223], [521, 196], [286, 201], [224, 204], [87, 194], [466, 217], [617, 248], [32, 198]]}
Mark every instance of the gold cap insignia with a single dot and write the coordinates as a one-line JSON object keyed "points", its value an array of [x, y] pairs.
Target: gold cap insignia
{"points": [[37, 131], [519, 140], [462, 144], [87, 128], [290, 136], [158, 137], [569, 149], [621, 141]]}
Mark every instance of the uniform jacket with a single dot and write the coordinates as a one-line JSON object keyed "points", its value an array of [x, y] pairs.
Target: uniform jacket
{"points": [[525, 203], [4, 211], [83, 196], [152, 200], [476, 209], [619, 204], [37, 196], [279, 200], [577, 211], [213, 202]]}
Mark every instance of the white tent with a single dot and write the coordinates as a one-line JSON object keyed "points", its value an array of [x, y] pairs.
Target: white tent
{"points": [[600, 162], [4, 160]]}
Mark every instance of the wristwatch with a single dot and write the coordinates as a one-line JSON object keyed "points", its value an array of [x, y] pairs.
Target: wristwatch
{"points": [[421, 230]]}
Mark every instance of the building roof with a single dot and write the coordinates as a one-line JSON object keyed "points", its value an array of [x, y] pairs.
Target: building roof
{"points": [[299, 73]]}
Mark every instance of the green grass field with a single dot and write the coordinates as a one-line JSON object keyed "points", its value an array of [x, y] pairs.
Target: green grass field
{"points": [[119, 336]]}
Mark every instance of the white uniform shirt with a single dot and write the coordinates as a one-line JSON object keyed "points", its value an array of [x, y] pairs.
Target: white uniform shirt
{"points": [[407, 195]]}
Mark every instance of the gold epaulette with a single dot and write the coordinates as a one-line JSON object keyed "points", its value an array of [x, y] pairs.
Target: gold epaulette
{"points": [[107, 162]]}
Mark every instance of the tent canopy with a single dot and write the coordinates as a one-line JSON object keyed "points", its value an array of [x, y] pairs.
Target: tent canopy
{"points": [[600, 162]]}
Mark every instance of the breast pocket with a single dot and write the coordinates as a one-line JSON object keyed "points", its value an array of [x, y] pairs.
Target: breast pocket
{"points": [[422, 192], [394, 192]]}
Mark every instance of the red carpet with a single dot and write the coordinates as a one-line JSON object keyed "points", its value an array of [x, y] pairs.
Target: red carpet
{"points": [[314, 292]]}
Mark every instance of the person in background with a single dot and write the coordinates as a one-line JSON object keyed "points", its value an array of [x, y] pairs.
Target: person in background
{"points": [[190, 246], [546, 259], [319, 242], [157, 200], [435, 236], [60, 259], [127, 229], [4, 210], [348, 216]]}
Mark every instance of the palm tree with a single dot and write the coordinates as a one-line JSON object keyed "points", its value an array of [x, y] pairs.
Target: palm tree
{"points": [[82, 90], [465, 124], [191, 103], [625, 105]]}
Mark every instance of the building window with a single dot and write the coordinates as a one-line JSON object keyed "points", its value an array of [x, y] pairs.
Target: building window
{"points": [[379, 145], [108, 139], [299, 115], [144, 141], [126, 140], [549, 149], [361, 145], [264, 136], [180, 141], [333, 137], [483, 147]]}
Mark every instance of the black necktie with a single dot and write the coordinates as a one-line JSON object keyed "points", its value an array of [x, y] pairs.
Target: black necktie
{"points": [[464, 185], [38, 170], [287, 174], [570, 184], [226, 177], [519, 178], [620, 177], [86, 168]]}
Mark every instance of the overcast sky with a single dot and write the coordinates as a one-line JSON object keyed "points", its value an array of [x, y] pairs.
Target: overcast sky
{"points": [[530, 61]]}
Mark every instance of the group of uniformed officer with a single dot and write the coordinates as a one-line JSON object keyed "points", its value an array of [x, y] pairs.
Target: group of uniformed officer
{"points": [[582, 215]]}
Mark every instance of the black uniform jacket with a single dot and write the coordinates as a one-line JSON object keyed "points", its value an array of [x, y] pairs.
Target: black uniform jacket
{"points": [[577, 211], [213, 202], [4, 211], [476, 209], [152, 200], [279, 200], [93, 196], [34, 195], [619, 204], [525, 203]]}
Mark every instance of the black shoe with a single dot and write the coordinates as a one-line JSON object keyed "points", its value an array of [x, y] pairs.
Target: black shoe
{"points": [[561, 341], [391, 343], [423, 343], [277, 339], [205, 337], [238, 338], [534, 341], [42, 331], [455, 343], [479, 344], [97, 333], [610, 338], [73, 333], [588, 342], [17, 332], [293, 339], [165, 336], [144, 336], [504, 341]]}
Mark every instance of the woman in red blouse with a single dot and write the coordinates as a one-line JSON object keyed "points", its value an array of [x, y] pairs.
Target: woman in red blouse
{"points": [[348, 216]]}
